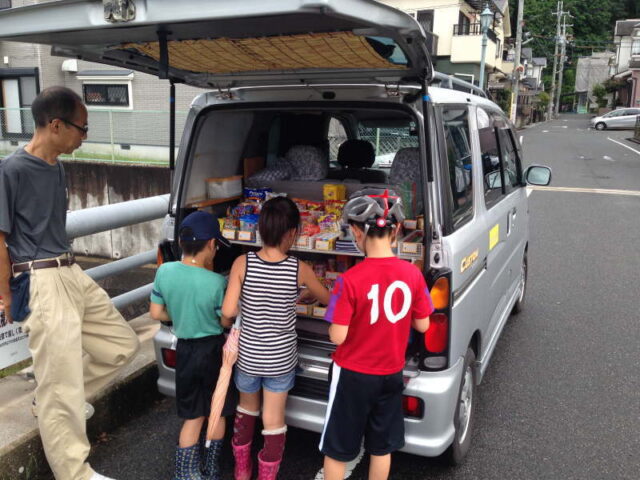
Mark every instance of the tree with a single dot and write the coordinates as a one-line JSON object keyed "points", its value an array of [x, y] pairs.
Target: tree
{"points": [[601, 95], [543, 100]]}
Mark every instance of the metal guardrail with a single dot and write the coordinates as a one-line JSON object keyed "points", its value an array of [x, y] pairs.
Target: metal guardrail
{"points": [[88, 221]]}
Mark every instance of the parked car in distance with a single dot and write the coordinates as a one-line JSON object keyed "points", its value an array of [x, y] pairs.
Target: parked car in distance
{"points": [[624, 118]]}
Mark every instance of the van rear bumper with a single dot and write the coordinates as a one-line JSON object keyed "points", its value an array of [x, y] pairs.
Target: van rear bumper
{"points": [[427, 436]]}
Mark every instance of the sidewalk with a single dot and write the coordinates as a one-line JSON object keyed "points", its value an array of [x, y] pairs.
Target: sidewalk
{"points": [[21, 454]]}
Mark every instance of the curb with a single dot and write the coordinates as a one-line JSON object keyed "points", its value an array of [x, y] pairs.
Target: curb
{"points": [[128, 397]]}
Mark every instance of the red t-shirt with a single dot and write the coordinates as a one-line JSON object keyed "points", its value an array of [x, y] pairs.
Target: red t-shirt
{"points": [[377, 299]]}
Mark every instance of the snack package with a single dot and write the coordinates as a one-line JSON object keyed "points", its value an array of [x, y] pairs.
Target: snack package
{"points": [[270, 195], [249, 223], [325, 241], [329, 223], [257, 193], [246, 236], [320, 269], [334, 207]]}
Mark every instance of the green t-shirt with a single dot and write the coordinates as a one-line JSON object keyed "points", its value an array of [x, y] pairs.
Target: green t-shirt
{"points": [[193, 297]]}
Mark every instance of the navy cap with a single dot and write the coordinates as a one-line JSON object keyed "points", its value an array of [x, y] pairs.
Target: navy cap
{"points": [[204, 226]]}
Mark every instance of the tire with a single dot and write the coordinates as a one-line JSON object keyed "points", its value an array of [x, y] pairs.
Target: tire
{"points": [[524, 271], [601, 126], [465, 413]]}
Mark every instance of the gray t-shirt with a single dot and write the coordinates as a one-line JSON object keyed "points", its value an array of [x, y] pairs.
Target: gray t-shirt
{"points": [[33, 207]]}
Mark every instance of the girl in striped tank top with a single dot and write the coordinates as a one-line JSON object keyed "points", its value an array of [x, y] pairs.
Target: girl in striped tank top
{"points": [[267, 284]]}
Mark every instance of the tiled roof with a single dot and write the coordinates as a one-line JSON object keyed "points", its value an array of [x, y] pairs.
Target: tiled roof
{"points": [[625, 27]]}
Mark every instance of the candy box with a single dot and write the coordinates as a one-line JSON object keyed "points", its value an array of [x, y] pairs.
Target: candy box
{"points": [[229, 233], [319, 311], [325, 241], [412, 243], [305, 241], [332, 191], [410, 224], [246, 236], [304, 309]]}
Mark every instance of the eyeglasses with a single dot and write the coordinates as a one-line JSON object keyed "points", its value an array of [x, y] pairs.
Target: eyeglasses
{"points": [[84, 130]]}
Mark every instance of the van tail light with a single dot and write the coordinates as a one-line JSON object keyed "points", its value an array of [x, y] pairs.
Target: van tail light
{"points": [[169, 357], [436, 338], [435, 349], [440, 293], [412, 406], [159, 257]]}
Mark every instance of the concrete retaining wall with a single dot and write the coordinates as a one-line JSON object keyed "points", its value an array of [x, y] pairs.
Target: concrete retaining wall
{"points": [[92, 185]]}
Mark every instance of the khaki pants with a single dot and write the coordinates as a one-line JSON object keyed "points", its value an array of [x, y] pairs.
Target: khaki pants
{"points": [[71, 318]]}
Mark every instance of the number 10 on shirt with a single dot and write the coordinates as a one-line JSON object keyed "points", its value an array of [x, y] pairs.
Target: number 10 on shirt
{"points": [[374, 296]]}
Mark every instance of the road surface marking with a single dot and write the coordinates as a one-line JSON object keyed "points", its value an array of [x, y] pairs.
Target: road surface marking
{"points": [[350, 466], [521, 139], [608, 158], [625, 146], [603, 191]]}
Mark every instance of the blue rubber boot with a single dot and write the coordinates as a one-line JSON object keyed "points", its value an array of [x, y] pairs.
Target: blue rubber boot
{"points": [[188, 463], [211, 461]]}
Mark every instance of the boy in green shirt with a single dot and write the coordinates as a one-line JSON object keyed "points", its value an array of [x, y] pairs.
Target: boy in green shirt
{"points": [[189, 294]]}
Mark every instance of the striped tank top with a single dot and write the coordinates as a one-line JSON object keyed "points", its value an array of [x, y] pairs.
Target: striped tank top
{"points": [[268, 339]]}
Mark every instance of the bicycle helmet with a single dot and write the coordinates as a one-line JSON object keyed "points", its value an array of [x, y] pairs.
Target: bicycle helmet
{"points": [[375, 207]]}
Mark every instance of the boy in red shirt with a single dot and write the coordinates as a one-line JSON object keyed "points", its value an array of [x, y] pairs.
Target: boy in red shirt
{"points": [[373, 307]]}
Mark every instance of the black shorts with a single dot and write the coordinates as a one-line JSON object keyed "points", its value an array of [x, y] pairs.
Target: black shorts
{"points": [[198, 362], [362, 405]]}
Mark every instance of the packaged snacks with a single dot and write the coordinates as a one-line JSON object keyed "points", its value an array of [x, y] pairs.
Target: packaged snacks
{"points": [[332, 191], [325, 241], [412, 243], [249, 222], [230, 223], [320, 269], [329, 224], [410, 224], [305, 241], [246, 236], [229, 233], [257, 193], [319, 311], [244, 208], [334, 207]]}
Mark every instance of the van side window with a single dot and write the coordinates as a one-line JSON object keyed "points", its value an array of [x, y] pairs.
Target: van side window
{"points": [[457, 141], [490, 156], [509, 155]]}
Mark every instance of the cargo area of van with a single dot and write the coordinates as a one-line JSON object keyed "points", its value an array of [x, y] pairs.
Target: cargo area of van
{"points": [[318, 157]]}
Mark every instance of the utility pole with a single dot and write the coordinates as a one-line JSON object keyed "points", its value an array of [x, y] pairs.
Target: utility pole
{"points": [[516, 63], [550, 107], [563, 52]]}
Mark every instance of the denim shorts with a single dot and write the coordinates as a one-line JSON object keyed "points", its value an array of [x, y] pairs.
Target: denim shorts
{"points": [[252, 384]]}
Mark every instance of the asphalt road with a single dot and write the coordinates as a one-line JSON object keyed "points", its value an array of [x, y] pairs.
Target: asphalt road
{"points": [[561, 398]]}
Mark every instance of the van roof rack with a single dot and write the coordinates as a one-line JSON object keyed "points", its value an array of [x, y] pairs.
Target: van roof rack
{"points": [[449, 81]]}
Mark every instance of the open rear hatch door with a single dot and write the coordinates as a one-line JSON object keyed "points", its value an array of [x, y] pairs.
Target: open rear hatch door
{"points": [[225, 43]]}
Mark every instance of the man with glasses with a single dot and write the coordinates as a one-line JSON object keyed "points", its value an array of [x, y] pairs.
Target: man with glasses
{"points": [[77, 339]]}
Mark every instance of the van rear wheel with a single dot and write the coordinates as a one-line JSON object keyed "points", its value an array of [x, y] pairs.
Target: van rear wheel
{"points": [[465, 412], [522, 286]]}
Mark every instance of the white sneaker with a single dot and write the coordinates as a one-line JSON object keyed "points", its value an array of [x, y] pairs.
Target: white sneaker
{"points": [[97, 476], [88, 410]]}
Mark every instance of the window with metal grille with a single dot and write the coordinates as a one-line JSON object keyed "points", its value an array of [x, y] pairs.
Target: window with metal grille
{"points": [[106, 95]]}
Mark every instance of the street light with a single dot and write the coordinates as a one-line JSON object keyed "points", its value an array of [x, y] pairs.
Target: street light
{"points": [[485, 21]]}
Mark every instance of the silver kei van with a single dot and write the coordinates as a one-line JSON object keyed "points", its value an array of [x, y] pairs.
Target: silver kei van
{"points": [[348, 86]]}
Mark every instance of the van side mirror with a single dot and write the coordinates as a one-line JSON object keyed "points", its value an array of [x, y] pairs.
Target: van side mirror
{"points": [[538, 175]]}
